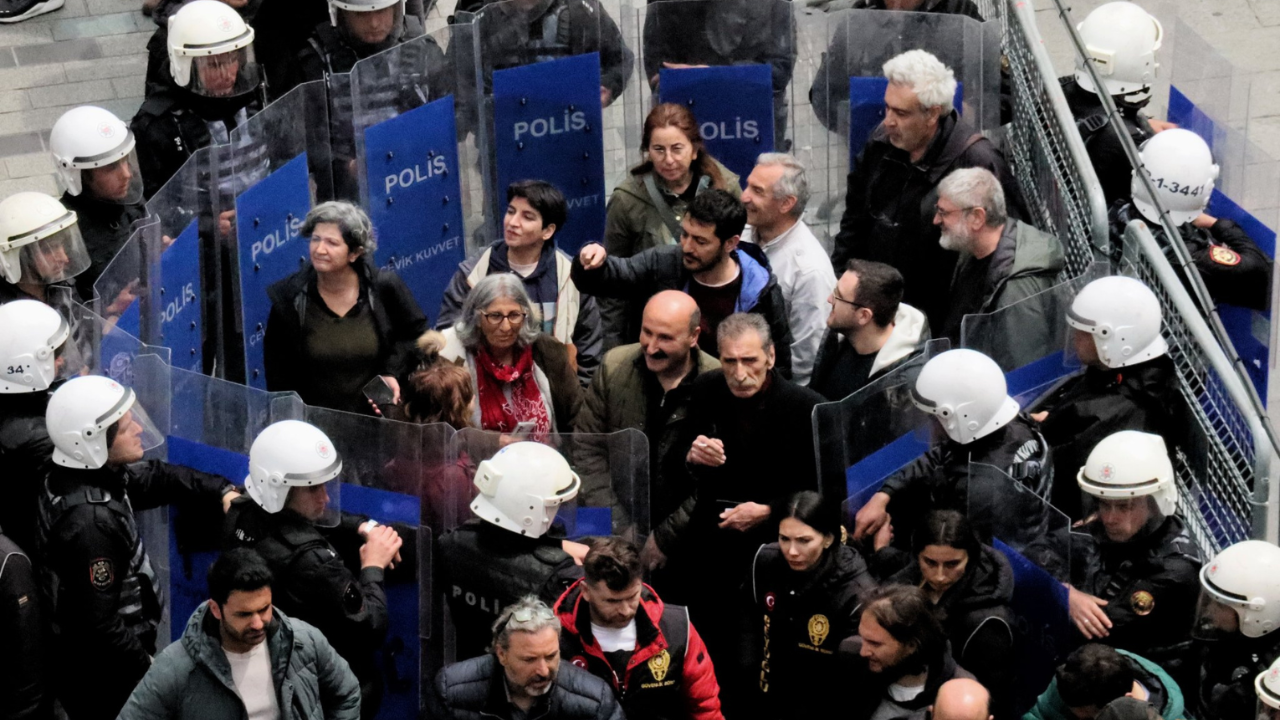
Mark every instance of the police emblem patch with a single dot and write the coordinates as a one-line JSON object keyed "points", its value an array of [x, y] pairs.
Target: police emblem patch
{"points": [[102, 574], [819, 628], [1142, 602], [659, 665], [1224, 255]]}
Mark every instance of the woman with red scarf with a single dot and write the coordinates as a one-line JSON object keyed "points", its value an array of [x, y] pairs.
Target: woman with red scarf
{"points": [[525, 381]]}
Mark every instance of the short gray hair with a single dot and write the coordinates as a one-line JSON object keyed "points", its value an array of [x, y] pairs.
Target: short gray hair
{"points": [[353, 223], [737, 324], [793, 182], [976, 188], [498, 286], [933, 82], [528, 614]]}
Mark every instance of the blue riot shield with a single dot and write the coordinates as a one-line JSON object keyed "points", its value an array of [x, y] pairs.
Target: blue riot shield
{"points": [[734, 108], [535, 120], [866, 437]]}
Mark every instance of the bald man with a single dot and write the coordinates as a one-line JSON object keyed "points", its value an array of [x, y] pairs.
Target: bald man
{"points": [[962, 699], [646, 386]]}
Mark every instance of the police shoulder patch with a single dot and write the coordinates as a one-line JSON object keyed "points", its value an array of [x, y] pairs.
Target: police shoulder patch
{"points": [[1224, 255], [102, 573]]}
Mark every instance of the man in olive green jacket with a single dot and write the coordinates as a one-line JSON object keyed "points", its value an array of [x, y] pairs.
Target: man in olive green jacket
{"points": [[1002, 261], [645, 386]]}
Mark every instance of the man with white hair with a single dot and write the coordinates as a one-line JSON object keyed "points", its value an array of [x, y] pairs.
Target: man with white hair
{"points": [[776, 194], [1002, 260], [889, 205]]}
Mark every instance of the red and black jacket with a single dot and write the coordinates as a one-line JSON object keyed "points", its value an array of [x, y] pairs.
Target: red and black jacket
{"points": [[670, 675]]}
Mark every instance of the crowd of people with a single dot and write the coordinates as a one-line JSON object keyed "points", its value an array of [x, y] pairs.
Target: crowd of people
{"points": [[746, 582]]}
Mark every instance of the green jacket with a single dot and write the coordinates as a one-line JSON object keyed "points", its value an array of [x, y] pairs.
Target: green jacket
{"points": [[1051, 707], [191, 679]]}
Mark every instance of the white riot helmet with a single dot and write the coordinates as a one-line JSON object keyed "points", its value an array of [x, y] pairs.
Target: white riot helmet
{"points": [[80, 415], [1123, 316], [30, 335], [1182, 171], [1267, 686], [364, 6], [522, 486], [211, 50], [90, 138], [1130, 464], [1240, 592], [966, 391], [39, 240], [1121, 40], [290, 454]]}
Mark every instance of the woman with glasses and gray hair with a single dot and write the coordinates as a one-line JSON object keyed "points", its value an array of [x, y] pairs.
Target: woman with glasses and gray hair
{"points": [[340, 322], [526, 386]]}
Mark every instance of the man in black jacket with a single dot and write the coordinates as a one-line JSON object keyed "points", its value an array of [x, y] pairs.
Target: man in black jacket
{"points": [[290, 464], [1129, 382], [523, 676], [749, 437], [26, 676], [106, 595], [902, 655], [722, 275], [892, 191]]}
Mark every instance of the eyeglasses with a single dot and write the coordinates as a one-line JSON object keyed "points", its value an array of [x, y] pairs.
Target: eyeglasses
{"points": [[834, 296], [495, 319], [939, 212]]}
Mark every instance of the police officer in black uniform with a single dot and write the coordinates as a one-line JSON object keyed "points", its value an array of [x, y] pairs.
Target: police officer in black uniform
{"points": [[97, 162], [106, 595], [1122, 40], [1133, 585], [216, 87], [504, 553], [1181, 168], [1236, 621], [26, 691], [32, 335], [290, 466]]}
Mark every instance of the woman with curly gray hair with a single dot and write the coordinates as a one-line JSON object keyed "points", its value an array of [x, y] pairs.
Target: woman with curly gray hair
{"points": [[339, 322], [525, 382]]}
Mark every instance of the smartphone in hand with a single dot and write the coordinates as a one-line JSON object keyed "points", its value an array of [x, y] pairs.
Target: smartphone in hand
{"points": [[379, 392]]}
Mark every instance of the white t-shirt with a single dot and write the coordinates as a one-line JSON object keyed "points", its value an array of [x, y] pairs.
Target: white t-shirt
{"points": [[524, 270], [615, 639], [251, 673]]}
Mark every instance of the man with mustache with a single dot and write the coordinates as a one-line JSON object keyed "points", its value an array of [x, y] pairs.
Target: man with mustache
{"points": [[747, 426], [646, 386], [522, 677], [1002, 260], [241, 657]]}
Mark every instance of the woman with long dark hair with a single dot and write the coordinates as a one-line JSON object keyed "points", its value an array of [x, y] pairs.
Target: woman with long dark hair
{"points": [[804, 599], [973, 584]]}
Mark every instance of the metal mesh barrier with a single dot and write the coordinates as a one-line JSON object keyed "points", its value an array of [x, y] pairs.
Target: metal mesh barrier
{"points": [[1223, 468], [1044, 147]]}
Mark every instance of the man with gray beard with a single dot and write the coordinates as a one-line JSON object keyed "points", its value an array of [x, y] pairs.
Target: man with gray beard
{"points": [[1002, 260]]}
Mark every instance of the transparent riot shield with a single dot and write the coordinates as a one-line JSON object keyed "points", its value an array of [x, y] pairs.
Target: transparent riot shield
{"points": [[387, 469], [212, 425], [263, 195], [730, 62], [1028, 338], [863, 439], [1036, 539], [844, 51], [402, 126], [544, 77], [98, 345]]}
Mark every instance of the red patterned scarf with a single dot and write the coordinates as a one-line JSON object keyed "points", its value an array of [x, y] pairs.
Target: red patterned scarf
{"points": [[526, 404]]}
